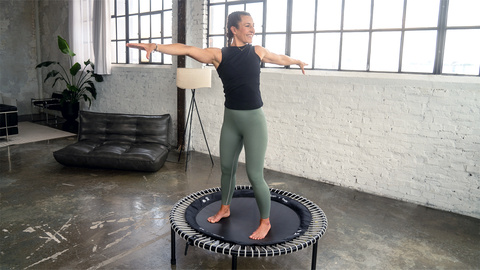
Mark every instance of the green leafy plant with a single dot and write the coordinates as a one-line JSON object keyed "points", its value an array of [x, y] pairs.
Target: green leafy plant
{"points": [[79, 84]]}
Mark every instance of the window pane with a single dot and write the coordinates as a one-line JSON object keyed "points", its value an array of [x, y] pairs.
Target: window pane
{"points": [[388, 14], [277, 16], [156, 56], [167, 23], [122, 50], [113, 29], [133, 6], [133, 26], [120, 7], [385, 51], [275, 44], [145, 5], [156, 25], [167, 59], [167, 4], [217, 20], [121, 34], [302, 48], [216, 42], [462, 53], [327, 50], [463, 13], [329, 14], [113, 51], [357, 14], [419, 51], [234, 8], [422, 13], [217, 1], [145, 26], [143, 54], [134, 57], [156, 5], [303, 15], [256, 10], [112, 7], [355, 51], [257, 39]]}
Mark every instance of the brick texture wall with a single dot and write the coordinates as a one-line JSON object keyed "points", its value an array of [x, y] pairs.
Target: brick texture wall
{"points": [[414, 138]]}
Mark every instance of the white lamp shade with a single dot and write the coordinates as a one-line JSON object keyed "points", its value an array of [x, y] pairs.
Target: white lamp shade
{"points": [[194, 78]]}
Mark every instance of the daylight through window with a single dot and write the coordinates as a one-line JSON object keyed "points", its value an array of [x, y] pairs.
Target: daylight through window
{"points": [[140, 21], [411, 36]]}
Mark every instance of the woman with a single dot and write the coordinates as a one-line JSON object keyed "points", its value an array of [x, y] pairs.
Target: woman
{"points": [[244, 124]]}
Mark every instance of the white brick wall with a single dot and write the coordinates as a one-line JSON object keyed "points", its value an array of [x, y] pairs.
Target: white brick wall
{"points": [[410, 137]]}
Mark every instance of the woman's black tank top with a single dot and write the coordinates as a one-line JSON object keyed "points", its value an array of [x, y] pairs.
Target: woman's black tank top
{"points": [[240, 75]]}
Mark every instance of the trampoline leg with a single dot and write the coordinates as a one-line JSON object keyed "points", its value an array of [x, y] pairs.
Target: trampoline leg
{"points": [[173, 259], [234, 262], [314, 256]]}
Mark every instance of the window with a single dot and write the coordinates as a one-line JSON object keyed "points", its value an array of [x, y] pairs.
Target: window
{"points": [[140, 21], [462, 38], [409, 36]]}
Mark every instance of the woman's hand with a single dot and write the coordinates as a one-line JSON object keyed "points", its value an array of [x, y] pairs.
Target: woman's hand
{"points": [[148, 47], [302, 66]]}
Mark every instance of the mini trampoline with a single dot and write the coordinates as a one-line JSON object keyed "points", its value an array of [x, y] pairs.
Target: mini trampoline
{"points": [[296, 224]]}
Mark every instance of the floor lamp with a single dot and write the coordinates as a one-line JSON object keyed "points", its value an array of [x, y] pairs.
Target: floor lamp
{"points": [[193, 78]]}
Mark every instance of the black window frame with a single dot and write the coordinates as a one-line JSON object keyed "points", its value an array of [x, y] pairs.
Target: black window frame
{"points": [[441, 30], [128, 39]]}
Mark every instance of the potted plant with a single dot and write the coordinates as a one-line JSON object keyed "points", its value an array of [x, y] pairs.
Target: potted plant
{"points": [[79, 83]]}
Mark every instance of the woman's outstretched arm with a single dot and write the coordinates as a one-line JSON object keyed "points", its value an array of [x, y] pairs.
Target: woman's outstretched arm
{"points": [[206, 56], [268, 57]]}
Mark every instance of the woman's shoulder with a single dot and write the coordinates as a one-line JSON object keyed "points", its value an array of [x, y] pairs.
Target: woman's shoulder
{"points": [[260, 51], [259, 48]]}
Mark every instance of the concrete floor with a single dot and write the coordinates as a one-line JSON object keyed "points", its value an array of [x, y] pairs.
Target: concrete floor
{"points": [[56, 217]]}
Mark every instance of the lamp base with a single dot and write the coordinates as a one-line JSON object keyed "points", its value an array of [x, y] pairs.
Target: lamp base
{"points": [[193, 106]]}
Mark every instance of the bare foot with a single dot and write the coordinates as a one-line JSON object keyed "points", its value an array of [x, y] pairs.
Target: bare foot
{"points": [[224, 212], [262, 230]]}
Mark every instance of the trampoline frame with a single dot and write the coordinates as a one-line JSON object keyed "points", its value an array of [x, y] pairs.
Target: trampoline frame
{"points": [[315, 231]]}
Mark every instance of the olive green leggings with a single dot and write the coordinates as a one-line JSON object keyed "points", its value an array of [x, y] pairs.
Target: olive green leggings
{"points": [[244, 128]]}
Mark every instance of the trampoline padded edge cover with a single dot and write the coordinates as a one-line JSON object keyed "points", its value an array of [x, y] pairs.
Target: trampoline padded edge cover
{"points": [[289, 218]]}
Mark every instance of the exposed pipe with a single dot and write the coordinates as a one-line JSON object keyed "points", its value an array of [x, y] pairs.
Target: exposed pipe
{"points": [[182, 18], [38, 46]]}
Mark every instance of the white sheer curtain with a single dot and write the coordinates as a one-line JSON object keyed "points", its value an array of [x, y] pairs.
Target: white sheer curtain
{"points": [[101, 37], [89, 33], [80, 29]]}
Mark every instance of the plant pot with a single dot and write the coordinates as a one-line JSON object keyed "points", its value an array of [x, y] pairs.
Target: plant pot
{"points": [[70, 111]]}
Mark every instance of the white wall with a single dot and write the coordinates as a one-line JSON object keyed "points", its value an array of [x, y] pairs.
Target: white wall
{"points": [[410, 137]]}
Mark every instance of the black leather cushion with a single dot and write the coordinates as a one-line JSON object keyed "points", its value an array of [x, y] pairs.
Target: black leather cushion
{"points": [[119, 141], [8, 120]]}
